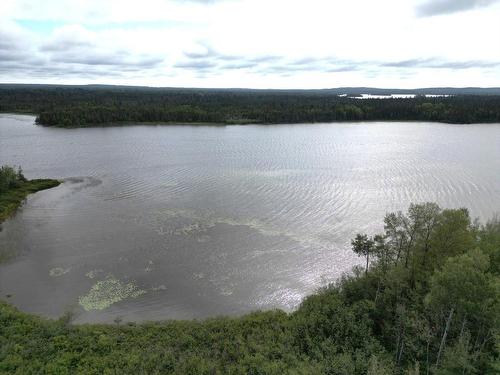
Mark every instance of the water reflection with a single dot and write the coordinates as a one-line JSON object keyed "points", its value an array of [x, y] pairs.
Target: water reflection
{"points": [[182, 222]]}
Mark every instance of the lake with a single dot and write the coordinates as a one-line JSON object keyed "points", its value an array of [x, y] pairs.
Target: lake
{"points": [[161, 222]]}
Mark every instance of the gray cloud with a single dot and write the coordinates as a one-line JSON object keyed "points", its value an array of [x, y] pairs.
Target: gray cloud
{"points": [[6, 44], [200, 55], [209, 52], [323, 65], [118, 59], [39, 67], [240, 65], [196, 65], [287, 69], [465, 64], [15, 50], [72, 49], [11, 41], [412, 63], [80, 55], [433, 63], [211, 61], [13, 55], [439, 7], [207, 2], [261, 59], [305, 61], [64, 58], [64, 45], [345, 68]]}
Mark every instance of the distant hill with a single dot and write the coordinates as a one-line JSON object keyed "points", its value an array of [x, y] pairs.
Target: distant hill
{"points": [[336, 91], [421, 91]]}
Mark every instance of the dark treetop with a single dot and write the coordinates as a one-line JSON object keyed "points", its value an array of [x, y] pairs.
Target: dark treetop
{"points": [[80, 106]]}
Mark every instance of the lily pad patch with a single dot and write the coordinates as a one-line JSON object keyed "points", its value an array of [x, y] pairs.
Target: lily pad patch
{"points": [[107, 292]]}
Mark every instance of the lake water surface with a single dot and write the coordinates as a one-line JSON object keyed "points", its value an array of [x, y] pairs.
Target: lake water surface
{"points": [[158, 222]]}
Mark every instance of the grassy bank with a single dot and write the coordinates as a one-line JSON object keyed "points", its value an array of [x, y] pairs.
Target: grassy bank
{"points": [[428, 302], [12, 198]]}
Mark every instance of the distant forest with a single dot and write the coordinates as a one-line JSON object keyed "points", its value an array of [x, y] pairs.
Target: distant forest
{"points": [[80, 106]]}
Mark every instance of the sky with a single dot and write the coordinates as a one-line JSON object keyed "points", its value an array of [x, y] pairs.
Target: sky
{"points": [[252, 43]]}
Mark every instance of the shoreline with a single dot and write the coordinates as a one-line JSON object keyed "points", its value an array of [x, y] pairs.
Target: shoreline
{"points": [[232, 123], [351, 324], [11, 200]]}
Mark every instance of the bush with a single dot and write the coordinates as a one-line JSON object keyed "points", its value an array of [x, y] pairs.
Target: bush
{"points": [[10, 178]]}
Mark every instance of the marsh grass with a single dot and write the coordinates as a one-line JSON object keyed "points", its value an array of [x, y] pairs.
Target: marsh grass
{"points": [[11, 199]]}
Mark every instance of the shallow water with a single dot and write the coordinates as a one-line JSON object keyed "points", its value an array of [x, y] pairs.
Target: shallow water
{"points": [[158, 222]]}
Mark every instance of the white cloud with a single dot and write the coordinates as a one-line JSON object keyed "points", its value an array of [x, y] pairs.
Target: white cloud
{"points": [[249, 43], [439, 7]]}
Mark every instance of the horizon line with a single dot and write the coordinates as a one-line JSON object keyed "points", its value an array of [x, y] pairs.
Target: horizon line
{"points": [[250, 88]]}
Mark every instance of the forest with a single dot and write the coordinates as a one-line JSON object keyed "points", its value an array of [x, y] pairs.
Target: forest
{"points": [[80, 106], [426, 300]]}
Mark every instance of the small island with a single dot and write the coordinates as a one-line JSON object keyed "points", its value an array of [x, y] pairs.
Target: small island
{"points": [[14, 188]]}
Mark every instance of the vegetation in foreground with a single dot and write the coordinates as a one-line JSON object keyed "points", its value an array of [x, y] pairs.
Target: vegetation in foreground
{"points": [[80, 106], [14, 188], [427, 302]]}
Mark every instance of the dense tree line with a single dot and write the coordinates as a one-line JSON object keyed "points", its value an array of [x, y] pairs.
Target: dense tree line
{"points": [[78, 106], [426, 301]]}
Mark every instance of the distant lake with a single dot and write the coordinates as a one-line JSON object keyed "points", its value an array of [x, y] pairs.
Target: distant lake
{"points": [[160, 222]]}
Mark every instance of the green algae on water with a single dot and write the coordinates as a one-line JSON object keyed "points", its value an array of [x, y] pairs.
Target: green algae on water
{"points": [[92, 274], [108, 291], [58, 271], [159, 287]]}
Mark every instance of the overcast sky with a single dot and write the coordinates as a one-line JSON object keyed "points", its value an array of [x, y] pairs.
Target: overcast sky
{"points": [[252, 43]]}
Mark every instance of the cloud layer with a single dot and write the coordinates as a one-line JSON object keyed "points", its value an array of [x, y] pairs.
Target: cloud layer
{"points": [[251, 43], [439, 7]]}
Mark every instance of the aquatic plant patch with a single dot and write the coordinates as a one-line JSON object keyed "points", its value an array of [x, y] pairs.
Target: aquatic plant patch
{"points": [[58, 271], [108, 291]]}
